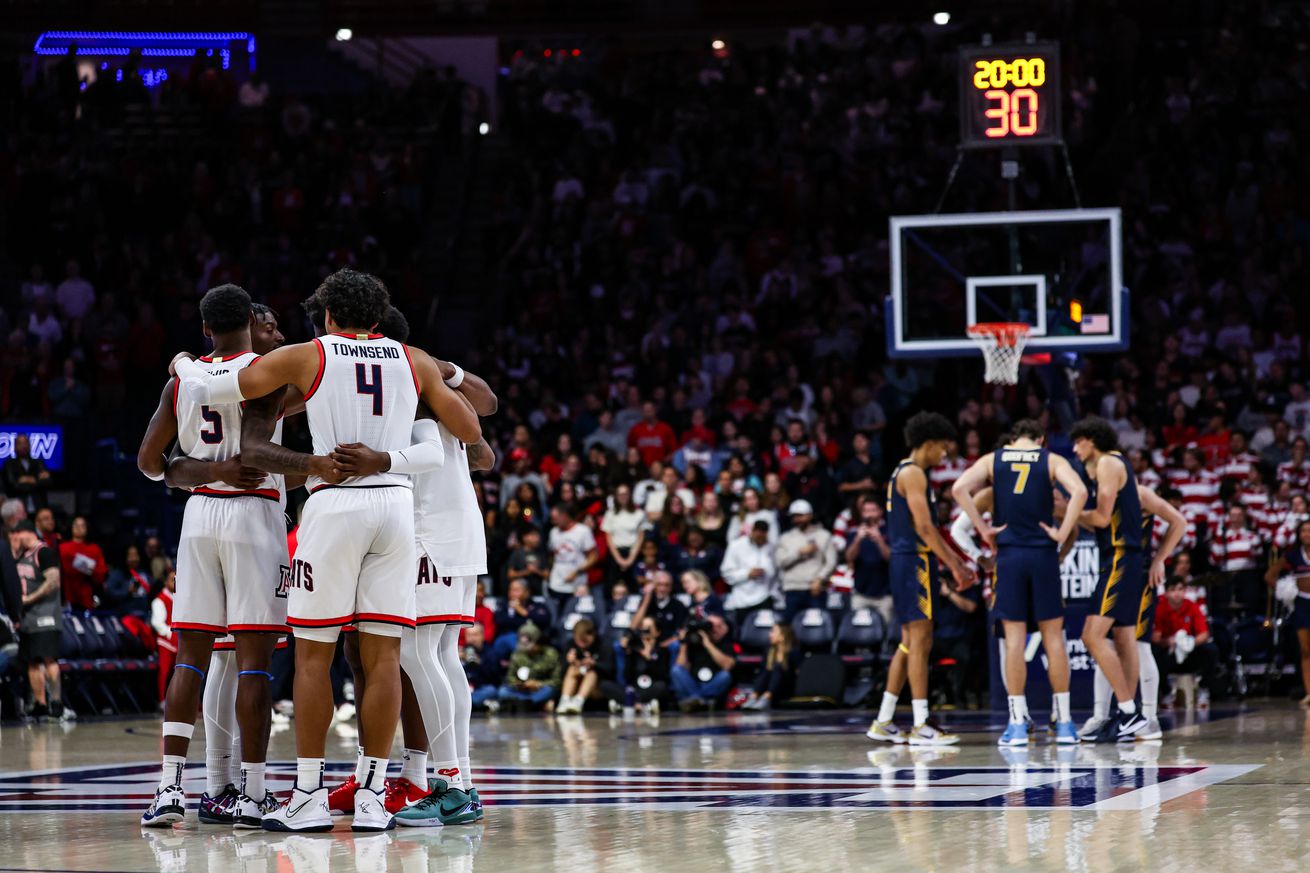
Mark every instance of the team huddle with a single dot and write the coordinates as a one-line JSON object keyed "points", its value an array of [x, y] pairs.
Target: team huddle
{"points": [[1037, 501], [389, 548]]}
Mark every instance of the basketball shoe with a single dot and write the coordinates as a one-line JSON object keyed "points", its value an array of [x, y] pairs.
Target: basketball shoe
{"points": [[168, 808]]}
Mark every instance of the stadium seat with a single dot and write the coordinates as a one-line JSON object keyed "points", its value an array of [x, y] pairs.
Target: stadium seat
{"points": [[814, 630], [754, 636], [861, 635], [576, 609]]}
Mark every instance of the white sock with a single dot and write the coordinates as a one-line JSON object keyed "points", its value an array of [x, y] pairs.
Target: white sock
{"points": [[466, 772], [371, 773], [309, 774], [1018, 709], [1149, 679], [1062, 712], [1100, 694], [218, 769], [1004, 682], [887, 711], [171, 771], [1127, 707], [451, 772], [252, 780], [234, 762], [414, 767], [920, 712]]}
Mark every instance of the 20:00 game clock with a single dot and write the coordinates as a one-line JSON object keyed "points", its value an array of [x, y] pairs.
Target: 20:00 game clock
{"points": [[1010, 95]]}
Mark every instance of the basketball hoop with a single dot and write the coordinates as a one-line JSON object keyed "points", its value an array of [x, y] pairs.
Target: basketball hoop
{"points": [[1002, 345]]}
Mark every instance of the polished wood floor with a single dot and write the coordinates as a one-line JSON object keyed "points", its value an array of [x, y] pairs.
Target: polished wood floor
{"points": [[1228, 790]]}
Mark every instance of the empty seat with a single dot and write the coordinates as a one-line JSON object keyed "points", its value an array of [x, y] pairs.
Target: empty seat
{"points": [[813, 629]]}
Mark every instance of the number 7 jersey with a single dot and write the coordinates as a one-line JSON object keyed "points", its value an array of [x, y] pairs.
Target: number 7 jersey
{"points": [[212, 432], [366, 391]]}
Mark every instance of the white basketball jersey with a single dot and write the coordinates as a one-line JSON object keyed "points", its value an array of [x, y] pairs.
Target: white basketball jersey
{"points": [[212, 432], [366, 392], [447, 519]]}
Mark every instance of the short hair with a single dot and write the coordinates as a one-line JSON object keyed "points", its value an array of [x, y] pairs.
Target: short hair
{"points": [[1098, 430], [11, 509], [354, 299], [761, 525], [394, 325], [585, 625], [567, 508], [226, 308], [1175, 581], [1028, 427], [260, 310], [925, 427]]}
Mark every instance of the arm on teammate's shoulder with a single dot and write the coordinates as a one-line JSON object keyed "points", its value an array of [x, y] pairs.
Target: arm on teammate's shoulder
{"points": [[451, 408], [162, 430], [289, 365], [481, 456], [474, 387]]}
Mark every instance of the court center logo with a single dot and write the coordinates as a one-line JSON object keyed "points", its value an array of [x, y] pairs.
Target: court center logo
{"points": [[896, 779]]}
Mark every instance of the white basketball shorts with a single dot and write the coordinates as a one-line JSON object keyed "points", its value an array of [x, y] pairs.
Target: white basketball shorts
{"points": [[443, 599], [231, 566], [354, 563]]}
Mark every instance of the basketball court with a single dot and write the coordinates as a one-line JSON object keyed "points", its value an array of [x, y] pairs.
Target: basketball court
{"points": [[1226, 790]]}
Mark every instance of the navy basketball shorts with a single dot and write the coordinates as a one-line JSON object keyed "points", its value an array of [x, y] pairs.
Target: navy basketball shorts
{"points": [[914, 585], [1118, 593], [1146, 615], [1027, 585], [1301, 612]]}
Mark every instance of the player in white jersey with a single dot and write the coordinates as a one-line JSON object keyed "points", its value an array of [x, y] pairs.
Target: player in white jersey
{"points": [[452, 553], [356, 539], [219, 802], [231, 557]]}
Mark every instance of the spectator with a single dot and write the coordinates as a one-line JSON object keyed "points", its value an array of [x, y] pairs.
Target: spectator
{"points": [[481, 669], [1278, 449], [857, 473], [657, 496], [649, 564], [646, 666], [1181, 638], [750, 569], [589, 663], [533, 676], [482, 614], [128, 590], [868, 556], [650, 436], [657, 601], [807, 557], [156, 561], [42, 620], [25, 477], [750, 512], [74, 295], [957, 635], [608, 435], [45, 528], [776, 680], [712, 520], [519, 609], [573, 552], [1237, 552], [696, 554], [623, 523], [84, 568], [529, 563], [161, 620], [774, 496], [702, 673], [521, 473], [812, 484], [696, 585]]}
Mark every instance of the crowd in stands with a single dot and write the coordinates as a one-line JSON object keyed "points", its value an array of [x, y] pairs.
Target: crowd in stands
{"points": [[695, 395]]}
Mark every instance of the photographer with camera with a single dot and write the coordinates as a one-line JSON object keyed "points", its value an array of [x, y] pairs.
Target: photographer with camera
{"points": [[533, 676], [646, 667], [702, 674], [590, 662]]}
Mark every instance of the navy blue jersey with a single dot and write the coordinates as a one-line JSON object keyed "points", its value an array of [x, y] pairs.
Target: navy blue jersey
{"points": [[902, 536], [1299, 561], [1124, 532], [1022, 498]]}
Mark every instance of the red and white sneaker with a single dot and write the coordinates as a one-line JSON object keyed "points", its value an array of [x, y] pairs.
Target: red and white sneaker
{"points": [[401, 793], [341, 800]]}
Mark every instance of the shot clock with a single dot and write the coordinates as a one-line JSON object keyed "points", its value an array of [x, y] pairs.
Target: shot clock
{"points": [[1010, 95]]}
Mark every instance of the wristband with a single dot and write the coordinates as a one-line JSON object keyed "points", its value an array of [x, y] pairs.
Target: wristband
{"points": [[456, 380]]}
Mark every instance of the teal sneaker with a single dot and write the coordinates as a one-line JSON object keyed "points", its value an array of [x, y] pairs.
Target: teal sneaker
{"points": [[473, 793], [443, 806]]}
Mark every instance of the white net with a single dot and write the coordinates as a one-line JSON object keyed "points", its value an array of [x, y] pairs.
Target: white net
{"points": [[1002, 345]]}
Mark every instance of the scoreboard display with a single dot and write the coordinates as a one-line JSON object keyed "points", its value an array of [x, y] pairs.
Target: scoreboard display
{"points": [[1010, 95]]}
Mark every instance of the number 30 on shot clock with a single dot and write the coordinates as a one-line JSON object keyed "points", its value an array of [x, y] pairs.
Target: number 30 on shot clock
{"points": [[1010, 95]]}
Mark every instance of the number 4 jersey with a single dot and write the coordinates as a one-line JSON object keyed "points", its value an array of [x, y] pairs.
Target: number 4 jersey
{"points": [[212, 432], [366, 392]]}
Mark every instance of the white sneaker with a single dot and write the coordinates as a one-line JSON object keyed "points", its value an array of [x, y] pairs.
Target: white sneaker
{"points": [[168, 808], [371, 812], [305, 812], [345, 712], [249, 813], [1152, 731], [493, 706], [885, 732], [929, 734], [653, 709], [615, 707], [1092, 727]]}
